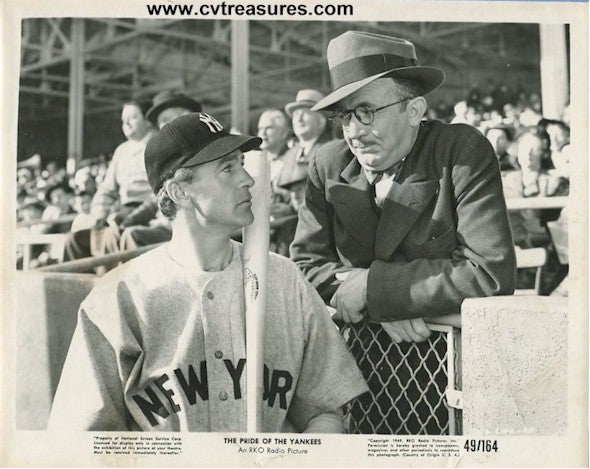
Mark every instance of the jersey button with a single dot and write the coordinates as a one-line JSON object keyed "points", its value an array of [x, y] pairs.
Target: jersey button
{"points": [[223, 396], [219, 354], [210, 295]]}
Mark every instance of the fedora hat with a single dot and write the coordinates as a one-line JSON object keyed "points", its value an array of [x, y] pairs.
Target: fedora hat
{"points": [[304, 98], [167, 99], [357, 58]]}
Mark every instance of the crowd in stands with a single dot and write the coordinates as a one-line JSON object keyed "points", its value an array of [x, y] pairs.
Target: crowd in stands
{"points": [[107, 206]]}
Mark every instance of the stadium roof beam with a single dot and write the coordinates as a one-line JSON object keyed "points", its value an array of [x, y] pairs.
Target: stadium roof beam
{"points": [[440, 32]]}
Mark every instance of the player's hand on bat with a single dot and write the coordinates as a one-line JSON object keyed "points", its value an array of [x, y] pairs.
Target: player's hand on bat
{"points": [[350, 299], [407, 330]]}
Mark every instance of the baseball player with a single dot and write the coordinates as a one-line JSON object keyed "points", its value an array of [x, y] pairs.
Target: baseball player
{"points": [[160, 341]]}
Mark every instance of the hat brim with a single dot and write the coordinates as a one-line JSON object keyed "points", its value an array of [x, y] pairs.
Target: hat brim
{"points": [[290, 108], [221, 147], [429, 77], [180, 101]]}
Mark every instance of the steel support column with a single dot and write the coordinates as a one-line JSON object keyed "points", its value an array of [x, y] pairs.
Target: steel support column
{"points": [[239, 75], [554, 72], [76, 96]]}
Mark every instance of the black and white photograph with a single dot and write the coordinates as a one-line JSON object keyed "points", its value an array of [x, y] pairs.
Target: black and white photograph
{"points": [[231, 224]]}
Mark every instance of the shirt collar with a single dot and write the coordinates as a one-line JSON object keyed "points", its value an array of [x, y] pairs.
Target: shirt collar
{"points": [[391, 171]]}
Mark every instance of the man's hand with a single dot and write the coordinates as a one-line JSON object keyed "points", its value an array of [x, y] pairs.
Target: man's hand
{"points": [[407, 330], [350, 299]]}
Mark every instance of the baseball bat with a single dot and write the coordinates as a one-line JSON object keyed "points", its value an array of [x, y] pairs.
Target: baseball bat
{"points": [[256, 243]]}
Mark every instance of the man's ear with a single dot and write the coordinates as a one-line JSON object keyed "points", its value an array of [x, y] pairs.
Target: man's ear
{"points": [[178, 193], [417, 109]]}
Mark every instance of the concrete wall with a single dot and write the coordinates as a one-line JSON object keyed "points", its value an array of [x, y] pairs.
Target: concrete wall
{"points": [[515, 372], [47, 306]]}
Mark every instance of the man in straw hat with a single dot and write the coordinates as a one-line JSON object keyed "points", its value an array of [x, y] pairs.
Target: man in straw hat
{"points": [[311, 131], [160, 341], [403, 219]]}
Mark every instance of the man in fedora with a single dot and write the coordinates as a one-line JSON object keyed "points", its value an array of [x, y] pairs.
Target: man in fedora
{"points": [[168, 105], [160, 341], [403, 219]]}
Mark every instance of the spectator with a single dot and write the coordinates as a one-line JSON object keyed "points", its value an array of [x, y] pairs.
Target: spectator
{"points": [[59, 200], [25, 180], [31, 211], [498, 137], [146, 224], [275, 131], [512, 115], [531, 180], [84, 178], [84, 219], [532, 111], [311, 131], [460, 111], [168, 105], [125, 185], [559, 135]]}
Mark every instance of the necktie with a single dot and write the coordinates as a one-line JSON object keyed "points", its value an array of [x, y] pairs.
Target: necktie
{"points": [[383, 180]]}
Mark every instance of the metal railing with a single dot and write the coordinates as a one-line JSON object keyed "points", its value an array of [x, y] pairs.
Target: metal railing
{"points": [[415, 387], [523, 203]]}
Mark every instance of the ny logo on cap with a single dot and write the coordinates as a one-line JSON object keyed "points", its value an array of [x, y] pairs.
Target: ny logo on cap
{"points": [[212, 123]]}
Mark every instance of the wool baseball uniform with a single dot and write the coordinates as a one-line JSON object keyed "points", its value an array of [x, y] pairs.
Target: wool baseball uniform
{"points": [[161, 347]]}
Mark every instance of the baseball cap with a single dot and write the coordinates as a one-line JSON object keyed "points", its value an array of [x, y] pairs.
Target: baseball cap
{"points": [[190, 140]]}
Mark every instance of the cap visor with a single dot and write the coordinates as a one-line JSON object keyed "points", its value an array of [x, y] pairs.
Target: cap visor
{"points": [[222, 147]]}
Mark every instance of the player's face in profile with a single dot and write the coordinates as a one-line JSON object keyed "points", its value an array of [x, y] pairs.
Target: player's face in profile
{"points": [[220, 192]]}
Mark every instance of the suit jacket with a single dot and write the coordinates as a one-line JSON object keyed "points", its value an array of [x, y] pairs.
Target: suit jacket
{"points": [[294, 169], [442, 234]]}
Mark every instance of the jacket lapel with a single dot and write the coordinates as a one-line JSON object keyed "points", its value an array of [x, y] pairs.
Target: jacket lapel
{"points": [[403, 205], [353, 202]]}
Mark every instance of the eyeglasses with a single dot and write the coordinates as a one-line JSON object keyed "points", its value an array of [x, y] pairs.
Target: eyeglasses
{"points": [[364, 114]]}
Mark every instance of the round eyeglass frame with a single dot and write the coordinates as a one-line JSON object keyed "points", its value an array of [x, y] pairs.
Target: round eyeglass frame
{"points": [[344, 117]]}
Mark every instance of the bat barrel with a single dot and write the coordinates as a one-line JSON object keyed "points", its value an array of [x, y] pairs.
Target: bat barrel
{"points": [[256, 244]]}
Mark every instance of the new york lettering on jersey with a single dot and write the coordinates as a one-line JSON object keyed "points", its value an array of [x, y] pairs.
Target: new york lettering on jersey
{"points": [[158, 398]]}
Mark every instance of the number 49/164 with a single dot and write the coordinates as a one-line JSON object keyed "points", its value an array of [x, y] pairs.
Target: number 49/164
{"points": [[485, 446]]}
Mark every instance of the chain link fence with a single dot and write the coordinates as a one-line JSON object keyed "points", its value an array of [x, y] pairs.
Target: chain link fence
{"points": [[408, 382]]}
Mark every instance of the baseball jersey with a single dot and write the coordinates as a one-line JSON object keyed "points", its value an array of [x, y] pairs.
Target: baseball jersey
{"points": [[160, 347]]}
